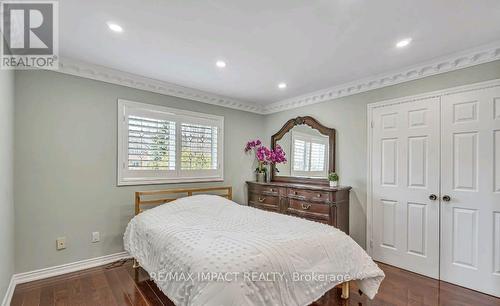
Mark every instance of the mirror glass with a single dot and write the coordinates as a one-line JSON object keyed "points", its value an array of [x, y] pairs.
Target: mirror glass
{"points": [[306, 151]]}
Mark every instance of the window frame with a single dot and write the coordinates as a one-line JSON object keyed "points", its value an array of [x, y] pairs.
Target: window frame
{"points": [[126, 177], [309, 138]]}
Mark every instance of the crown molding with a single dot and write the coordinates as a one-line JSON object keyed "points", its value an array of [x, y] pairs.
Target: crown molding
{"points": [[468, 58], [113, 76], [455, 61]]}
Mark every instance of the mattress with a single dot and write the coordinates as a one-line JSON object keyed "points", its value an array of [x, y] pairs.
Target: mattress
{"points": [[207, 250]]}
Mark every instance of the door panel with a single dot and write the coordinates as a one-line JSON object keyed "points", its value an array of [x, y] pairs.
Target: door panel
{"points": [[496, 146], [496, 253], [465, 161], [417, 225], [405, 172], [389, 223], [417, 161], [470, 176], [465, 246], [390, 162]]}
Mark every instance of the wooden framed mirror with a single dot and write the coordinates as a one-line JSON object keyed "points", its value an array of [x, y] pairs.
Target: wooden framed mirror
{"points": [[310, 152]]}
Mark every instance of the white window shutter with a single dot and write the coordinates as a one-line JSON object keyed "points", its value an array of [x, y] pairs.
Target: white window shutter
{"points": [[160, 145]]}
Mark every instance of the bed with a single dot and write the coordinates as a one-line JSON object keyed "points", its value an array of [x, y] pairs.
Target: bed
{"points": [[205, 249]]}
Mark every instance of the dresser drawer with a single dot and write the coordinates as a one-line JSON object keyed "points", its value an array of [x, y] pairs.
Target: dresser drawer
{"points": [[309, 195], [263, 201], [312, 202], [264, 189], [308, 209]]}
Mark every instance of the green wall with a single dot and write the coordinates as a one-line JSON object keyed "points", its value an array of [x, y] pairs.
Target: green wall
{"points": [[6, 179], [65, 164]]}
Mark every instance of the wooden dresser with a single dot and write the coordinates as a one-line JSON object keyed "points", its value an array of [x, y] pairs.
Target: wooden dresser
{"points": [[329, 205]]}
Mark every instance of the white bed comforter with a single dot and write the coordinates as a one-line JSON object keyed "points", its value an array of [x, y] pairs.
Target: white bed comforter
{"points": [[207, 250]]}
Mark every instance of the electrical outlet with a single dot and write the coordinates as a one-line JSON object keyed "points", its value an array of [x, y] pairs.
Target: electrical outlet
{"points": [[96, 237], [61, 243]]}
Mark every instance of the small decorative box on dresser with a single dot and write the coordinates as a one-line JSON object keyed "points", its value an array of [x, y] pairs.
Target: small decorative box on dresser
{"points": [[329, 205]]}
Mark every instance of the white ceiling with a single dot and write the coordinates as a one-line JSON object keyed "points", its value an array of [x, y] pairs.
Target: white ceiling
{"points": [[309, 44]]}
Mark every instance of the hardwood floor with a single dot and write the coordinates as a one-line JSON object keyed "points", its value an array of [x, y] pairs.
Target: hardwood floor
{"points": [[118, 284]]}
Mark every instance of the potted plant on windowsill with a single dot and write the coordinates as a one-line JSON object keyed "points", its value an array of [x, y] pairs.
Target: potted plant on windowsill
{"points": [[333, 178], [265, 157]]}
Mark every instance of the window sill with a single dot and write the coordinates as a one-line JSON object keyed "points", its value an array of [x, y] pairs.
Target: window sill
{"points": [[139, 182]]}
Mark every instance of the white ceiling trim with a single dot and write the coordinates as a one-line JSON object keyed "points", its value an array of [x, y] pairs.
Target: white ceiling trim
{"points": [[476, 56], [471, 57], [108, 75]]}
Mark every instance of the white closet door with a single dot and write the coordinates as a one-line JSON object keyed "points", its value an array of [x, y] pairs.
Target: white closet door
{"points": [[405, 173], [470, 220]]}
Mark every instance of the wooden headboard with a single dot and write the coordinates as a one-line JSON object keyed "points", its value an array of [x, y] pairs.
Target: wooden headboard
{"points": [[158, 197]]}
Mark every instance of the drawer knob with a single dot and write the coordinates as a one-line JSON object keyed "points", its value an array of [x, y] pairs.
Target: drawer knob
{"points": [[319, 195], [272, 190], [295, 192], [261, 199], [306, 206]]}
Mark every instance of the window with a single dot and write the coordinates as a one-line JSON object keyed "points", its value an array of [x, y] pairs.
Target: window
{"points": [[309, 155], [198, 146], [158, 145]]}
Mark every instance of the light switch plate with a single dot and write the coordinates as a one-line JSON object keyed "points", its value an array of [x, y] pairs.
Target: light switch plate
{"points": [[96, 237]]}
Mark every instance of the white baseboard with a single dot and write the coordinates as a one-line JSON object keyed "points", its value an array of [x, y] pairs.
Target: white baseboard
{"points": [[26, 277], [10, 292]]}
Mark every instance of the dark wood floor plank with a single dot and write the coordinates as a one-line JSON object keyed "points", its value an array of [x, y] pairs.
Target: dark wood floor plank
{"points": [[149, 294], [120, 284], [164, 299], [141, 279], [131, 288], [32, 298], [89, 291], [120, 296], [76, 294], [103, 290], [17, 298], [47, 295], [61, 294], [140, 276]]}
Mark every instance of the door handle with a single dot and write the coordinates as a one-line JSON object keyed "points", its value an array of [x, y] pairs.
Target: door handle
{"points": [[446, 198], [433, 197]]}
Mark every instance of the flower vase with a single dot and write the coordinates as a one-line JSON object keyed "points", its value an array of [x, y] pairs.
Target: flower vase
{"points": [[268, 175], [334, 183], [261, 177]]}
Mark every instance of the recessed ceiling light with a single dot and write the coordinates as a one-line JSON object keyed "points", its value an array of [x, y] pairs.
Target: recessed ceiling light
{"points": [[403, 43], [282, 85], [115, 27], [220, 64]]}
